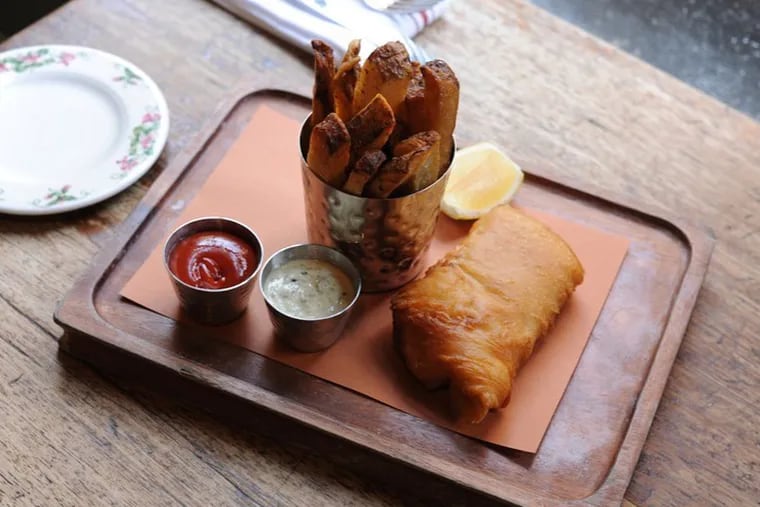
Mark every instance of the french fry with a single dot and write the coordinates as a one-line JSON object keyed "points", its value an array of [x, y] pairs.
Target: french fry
{"points": [[437, 109], [427, 171], [364, 169], [387, 71], [329, 150], [371, 127], [415, 142], [383, 128], [416, 83], [396, 172], [322, 93], [415, 93], [344, 81]]}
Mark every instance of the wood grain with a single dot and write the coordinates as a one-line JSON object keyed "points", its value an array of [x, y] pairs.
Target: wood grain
{"points": [[557, 99]]}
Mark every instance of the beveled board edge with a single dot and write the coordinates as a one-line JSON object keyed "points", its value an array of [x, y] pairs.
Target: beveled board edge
{"points": [[80, 300], [613, 488]]}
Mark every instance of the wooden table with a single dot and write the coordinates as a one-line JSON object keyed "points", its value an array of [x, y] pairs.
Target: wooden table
{"points": [[558, 99]]}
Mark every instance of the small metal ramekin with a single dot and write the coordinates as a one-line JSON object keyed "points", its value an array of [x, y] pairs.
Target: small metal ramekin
{"points": [[310, 335], [214, 306]]}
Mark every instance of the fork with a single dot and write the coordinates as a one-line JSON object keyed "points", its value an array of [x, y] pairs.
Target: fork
{"points": [[416, 53], [400, 6]]}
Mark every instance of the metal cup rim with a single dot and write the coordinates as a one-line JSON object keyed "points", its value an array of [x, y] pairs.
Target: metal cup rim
{"points": [[353, 276], [305, 164], [258, 246]]}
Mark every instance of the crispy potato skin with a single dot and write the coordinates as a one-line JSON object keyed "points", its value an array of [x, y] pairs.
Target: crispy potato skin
{"points": [[437, 108], [364, 169], [329, 150], [387, 71], [371, 127], [418, 140], [405, 109], [415, 93], [322, 93], [427, 171], [396, 172], [344, 81]]}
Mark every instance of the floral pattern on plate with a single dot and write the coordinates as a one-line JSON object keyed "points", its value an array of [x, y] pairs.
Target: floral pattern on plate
{"points": [[127, 76], [120, 104], [142, 143], [57, 196], [36, 58]]}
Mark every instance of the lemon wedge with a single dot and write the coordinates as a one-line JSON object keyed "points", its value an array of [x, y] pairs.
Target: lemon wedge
{"points": [[482, 177]]}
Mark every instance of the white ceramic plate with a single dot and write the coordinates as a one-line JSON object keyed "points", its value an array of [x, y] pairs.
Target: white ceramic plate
{"points": [[77, 125]]}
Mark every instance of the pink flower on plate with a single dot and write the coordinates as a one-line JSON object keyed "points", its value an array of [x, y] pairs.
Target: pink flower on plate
{"points": [[146, 141], [151, 117], [126, 163], [3, 68], [30, 57], [66, 58], [65, 188]]}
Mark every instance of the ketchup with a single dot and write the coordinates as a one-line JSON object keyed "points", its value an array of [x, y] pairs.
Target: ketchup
{"points": [[212, 260]]}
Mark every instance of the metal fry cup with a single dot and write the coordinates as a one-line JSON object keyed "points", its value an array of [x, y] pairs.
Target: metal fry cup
{"points": [[214, 306], [385, 238]]}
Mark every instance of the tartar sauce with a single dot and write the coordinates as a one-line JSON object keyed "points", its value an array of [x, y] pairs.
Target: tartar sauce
{"points": [[309, 288]]}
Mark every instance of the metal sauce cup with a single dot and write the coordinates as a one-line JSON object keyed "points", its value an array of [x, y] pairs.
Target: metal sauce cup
{"points": [[214, 306], [310, 335], [386, 239]]}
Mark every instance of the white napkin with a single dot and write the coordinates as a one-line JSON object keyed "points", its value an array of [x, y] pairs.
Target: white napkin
{"points": [[337, 22]]}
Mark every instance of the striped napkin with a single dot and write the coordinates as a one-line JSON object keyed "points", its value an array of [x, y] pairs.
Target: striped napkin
{"points": [[337, 22]]}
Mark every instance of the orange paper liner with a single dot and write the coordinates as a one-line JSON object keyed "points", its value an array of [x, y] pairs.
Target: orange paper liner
{"points": [[259, 183]]}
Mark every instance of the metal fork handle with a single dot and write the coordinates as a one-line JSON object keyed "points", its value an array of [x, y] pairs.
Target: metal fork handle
{"points": [[416, 53]]}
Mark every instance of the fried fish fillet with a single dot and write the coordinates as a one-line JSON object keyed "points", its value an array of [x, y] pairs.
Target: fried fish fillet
{"points": [[472, 321]]}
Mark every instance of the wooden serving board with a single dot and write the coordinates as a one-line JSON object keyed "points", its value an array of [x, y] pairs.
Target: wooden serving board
{"points": [[592, 445]]}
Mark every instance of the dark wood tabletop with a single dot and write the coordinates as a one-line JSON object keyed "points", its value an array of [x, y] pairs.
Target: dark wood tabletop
{"points": [[557, 99]]}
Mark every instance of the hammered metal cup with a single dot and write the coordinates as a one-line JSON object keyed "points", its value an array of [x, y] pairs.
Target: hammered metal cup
{"points": [[214, 306], [386, 239]]}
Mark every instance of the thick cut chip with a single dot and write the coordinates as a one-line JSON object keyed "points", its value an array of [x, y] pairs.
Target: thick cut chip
{"points": [[329, 150], [437, 109], [344, 81], [387, 71], [427, 172], [324, 70], [418, 140], [364, 169], [396, 172], [415, 94], [371, 127]]}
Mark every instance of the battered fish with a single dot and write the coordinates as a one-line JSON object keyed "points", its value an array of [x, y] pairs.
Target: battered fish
{"points": [[471, 322]]}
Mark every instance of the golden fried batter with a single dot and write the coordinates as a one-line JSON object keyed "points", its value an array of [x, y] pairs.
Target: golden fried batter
{"points": [[471, 322]]}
